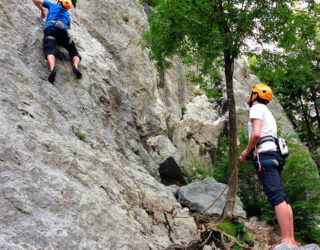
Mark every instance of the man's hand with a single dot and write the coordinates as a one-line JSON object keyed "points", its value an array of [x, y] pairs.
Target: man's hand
{"points": [[43, 14], [243, 156], [39, 4]]}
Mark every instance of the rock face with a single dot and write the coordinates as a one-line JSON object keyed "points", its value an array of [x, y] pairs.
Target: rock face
{"points": [[60, 187]]}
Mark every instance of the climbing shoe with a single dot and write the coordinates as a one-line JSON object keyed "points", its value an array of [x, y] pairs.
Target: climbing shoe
{"points": [[52, 75], [77, 72]]}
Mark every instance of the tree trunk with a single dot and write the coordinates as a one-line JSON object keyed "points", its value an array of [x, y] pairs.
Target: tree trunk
{"points": [[232, 192]]}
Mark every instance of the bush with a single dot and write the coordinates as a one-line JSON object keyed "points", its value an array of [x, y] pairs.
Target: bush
{"points": [[197, 169]]}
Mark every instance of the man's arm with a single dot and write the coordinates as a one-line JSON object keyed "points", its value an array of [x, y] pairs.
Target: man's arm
{"points": [[39, 4], [254, 138]]}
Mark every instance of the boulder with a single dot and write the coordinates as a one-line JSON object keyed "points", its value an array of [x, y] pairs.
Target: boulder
{"points": [[198, 196], [174, 190]]}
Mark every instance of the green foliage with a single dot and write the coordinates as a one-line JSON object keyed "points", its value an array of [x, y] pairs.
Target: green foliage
{"points": [[203, 219], [77, 132], [227, 227], [81, 136], [162, 156], [238, 231], [197, 169], [201, 32], [183, 108], [221, 162], [74, 3], [205, 84]]}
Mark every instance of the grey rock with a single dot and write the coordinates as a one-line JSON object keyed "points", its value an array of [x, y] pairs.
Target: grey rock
{"points": [[198, 196], [284, 246], [254, 219], [174, 190]]}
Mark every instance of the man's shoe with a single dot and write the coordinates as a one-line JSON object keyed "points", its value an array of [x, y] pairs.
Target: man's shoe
{"points": [[76, 71], [52, 75]]}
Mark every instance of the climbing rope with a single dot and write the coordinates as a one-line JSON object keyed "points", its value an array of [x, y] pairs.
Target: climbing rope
{"points": [[126, 172]]}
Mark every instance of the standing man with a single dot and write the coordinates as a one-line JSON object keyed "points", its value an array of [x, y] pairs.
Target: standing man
{"points": [[267, 160], [55, 33]]}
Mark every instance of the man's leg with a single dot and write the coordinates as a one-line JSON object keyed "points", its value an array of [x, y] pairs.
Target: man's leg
{"points": [[49, 49], [52, 62], [285, 219], [75, 61], [75, 67], [293, 241], [74, 54]]}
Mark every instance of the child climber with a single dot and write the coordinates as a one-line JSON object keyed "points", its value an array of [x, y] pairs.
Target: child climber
{"points": [[55, 33]]}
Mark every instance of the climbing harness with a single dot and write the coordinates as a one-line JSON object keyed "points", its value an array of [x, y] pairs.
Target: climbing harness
{"points": [[127, 173], [53, 38], [281, 143], [58, 24]]}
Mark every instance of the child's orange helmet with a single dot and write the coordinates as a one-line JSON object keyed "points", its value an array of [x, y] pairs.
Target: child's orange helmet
{"points": [[263, 91], [66, 4]]}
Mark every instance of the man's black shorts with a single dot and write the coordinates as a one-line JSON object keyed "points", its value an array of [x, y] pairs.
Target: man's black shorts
{"points": [[271, 178], [54, 36]]}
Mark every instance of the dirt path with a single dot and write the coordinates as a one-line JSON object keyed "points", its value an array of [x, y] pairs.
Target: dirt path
{"points": [[266, 235]]}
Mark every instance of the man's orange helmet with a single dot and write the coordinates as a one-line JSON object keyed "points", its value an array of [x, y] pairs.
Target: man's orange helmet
{"points": [[264, 91], [66, 4]]}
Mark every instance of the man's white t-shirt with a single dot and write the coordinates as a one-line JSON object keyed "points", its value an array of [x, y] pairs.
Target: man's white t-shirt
{"points": [[269, 125]]}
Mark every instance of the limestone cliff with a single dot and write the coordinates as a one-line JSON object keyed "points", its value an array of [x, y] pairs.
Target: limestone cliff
{"points": [[52, 163]]}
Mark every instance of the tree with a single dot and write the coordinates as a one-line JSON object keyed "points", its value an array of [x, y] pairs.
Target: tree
{"points": [[215, 32]]}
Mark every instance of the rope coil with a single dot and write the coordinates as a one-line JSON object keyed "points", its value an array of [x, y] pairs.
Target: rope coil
{"points": [[127, 173]]}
